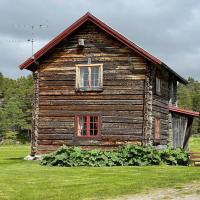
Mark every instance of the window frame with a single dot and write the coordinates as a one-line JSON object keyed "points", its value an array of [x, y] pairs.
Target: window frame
{"points": [[77, 86], [171, 93], [157, 129], [158, 80], [77, 118]]}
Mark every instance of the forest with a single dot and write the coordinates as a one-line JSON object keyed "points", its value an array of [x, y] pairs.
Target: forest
{"points": [[16, 106], [15, 109]]}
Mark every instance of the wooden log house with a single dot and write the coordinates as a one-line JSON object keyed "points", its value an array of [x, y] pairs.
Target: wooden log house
{"points": [[96, 89]]}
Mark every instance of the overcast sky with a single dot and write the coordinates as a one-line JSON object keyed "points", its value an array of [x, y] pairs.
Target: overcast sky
{"points": [[170, 30]]}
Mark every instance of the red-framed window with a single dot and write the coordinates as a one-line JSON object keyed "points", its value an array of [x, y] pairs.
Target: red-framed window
{"points": [[157, 128], [87, 125]]}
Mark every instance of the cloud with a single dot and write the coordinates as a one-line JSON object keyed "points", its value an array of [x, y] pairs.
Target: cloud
{"points": [[167, 29]]}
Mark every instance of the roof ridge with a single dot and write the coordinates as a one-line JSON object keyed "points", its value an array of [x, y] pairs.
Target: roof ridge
{"points": [[106, 28]]}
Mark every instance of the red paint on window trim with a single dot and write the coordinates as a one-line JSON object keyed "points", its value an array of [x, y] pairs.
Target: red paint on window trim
{"points": [[157, 128], [77, 117]]}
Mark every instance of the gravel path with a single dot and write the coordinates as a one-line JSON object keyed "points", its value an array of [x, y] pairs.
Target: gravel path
{"points": [[185, 192]]}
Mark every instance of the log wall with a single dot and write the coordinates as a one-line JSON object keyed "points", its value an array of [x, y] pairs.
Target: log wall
{"points": [[172, 102], [161, 102], [120, 103]]}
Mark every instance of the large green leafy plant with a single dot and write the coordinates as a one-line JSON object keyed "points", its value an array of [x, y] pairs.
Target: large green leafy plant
{"points": [[174, 156], [128, 155]]}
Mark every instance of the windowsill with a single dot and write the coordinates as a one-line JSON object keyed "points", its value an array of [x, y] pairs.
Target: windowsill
{"points": [[89, 89]]}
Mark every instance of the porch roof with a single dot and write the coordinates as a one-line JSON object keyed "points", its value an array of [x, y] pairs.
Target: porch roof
{"points": [[184, 111]]}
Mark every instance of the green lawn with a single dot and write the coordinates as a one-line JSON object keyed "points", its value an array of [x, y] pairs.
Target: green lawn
{"points": [[194, 144], [26, 180]]}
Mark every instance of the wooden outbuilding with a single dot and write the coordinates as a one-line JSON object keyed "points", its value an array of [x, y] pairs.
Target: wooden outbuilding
{"points": [[181, 126], [94, 88]]}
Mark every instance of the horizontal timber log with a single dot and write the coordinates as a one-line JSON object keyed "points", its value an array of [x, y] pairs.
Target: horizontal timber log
{"points": [[92, 96], [120, 119], [55, 136], [55, 142], [68, 130], [57, 83], [122, 125], [160, 104], [117, 131], [93, 107], [90, 102], [57, 125], [105, 92], [65, 113], [125, 138], [117, 83], [57, 68], [95, 59], [64, 87], [58, 77], [57, 119], [160, 109]]}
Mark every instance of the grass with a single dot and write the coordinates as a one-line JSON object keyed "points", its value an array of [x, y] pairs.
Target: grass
{"points": [[26, 180], [194, 144]]}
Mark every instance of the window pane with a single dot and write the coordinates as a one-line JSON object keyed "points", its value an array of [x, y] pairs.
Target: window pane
{"points": [[95, 71], [157, 128], [158, 85], [93, 125], [84, 77], [87, 125], [82, 126]]}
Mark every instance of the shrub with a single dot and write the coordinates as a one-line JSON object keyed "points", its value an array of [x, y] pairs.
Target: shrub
{"points": [[174, 156], [138, 155], [128, 155]]}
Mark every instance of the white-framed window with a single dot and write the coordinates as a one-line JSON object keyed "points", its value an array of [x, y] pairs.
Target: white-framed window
{"points": [[89, 76], [158, 85]]}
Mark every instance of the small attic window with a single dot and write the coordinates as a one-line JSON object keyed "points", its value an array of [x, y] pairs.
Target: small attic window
{"points": [[81, 42], [158, 86]]}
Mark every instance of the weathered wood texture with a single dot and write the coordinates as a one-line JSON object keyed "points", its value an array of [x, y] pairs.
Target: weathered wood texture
{"points": [[120, 103], [35, 114], [179, 124], [148, 106], [172, 91], [182, 126], [160, 103]]}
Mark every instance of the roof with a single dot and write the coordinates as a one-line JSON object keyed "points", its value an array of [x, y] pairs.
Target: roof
{"points": [[184, 111], [89, 17]]}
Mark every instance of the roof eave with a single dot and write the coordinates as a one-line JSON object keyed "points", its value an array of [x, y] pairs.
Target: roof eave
{"points": [[100, 24], [179, 78], [183, 111], [54, 41], [106, 28]]}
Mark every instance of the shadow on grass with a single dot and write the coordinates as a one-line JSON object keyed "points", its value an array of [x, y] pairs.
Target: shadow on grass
{"points": [[11, 161], [15, 159]]}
